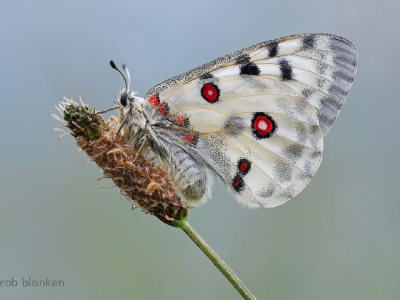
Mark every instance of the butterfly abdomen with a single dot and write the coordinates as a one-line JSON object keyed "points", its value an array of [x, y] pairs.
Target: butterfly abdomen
{"points": [[183, 164]]}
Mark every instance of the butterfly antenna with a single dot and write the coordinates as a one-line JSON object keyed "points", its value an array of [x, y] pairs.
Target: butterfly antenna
{"points": [[115, 67], [127, 73]]}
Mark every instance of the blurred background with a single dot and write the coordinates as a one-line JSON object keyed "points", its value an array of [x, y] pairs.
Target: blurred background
{"points": [[338, 239]]}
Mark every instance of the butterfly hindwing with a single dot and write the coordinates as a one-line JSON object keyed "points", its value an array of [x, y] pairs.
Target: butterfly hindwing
{"points": [[257, 117]]}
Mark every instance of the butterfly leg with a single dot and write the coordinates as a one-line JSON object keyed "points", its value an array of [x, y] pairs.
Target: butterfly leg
{"points": [[114, 119], [143, 140], [107, 110], [118, 132]]}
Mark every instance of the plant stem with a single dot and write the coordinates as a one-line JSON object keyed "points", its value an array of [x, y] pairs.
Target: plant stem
{"points": [[218, 262]]}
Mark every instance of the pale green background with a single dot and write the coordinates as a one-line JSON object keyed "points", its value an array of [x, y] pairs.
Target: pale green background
{"points": [[339, 239]]}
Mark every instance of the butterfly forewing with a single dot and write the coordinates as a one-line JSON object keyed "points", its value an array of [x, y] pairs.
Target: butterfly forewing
{"points": [[257, 117]]}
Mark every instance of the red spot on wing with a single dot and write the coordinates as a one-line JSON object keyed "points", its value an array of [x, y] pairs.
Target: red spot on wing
{"points": [[238, 183], [244, 165], [190, 138], [179, 120], [164, 109], [210, 92], [154, 100], [263, 125]]}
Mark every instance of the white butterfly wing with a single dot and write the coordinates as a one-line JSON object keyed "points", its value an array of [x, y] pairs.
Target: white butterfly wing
{"points": [[257, 116]]}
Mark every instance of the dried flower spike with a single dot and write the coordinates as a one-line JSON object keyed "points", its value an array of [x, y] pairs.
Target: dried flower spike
{"points": [[142, 182]]}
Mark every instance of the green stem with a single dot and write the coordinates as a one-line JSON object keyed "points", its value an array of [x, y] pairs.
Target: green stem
{"points": [[218, 262]]}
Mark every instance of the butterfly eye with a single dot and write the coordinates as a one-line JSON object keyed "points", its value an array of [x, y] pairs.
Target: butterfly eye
{"points": [[123, 99]]}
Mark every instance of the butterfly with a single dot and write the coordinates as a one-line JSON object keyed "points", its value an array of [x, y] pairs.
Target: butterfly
{"points": [[255, 118]]}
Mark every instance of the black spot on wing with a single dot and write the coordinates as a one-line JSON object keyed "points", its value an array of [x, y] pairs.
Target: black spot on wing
{"points": [[249, 69], [243, 59], [237, 120], [324, 121], [307, 92], [207, 76], [286, 69], [244, 166], [345, 65], [343, 47], [273, 50], [267, 191], [293, 152], [341, 80], [309, 42], [337, 93], [329, 107], [238, 183], [282, 171]]}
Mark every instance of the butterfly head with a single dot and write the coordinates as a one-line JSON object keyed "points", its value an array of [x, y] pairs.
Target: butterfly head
{"points": [[126, 99]]}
